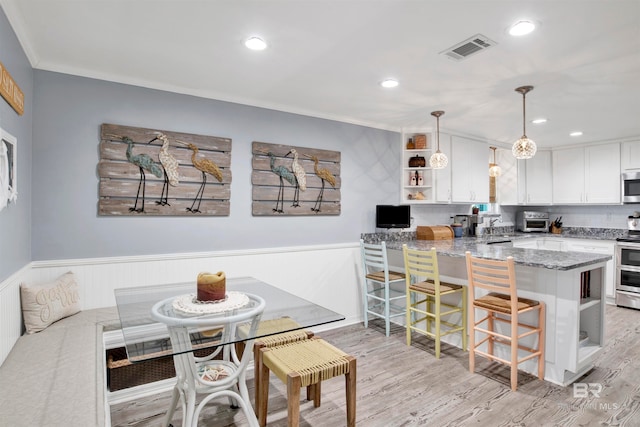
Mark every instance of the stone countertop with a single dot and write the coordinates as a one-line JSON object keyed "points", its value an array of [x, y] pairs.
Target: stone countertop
{"points": [[489, 247]]}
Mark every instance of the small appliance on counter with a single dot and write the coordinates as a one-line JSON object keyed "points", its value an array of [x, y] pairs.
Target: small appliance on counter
{"points": [[628, 265], [532, 221], [469, 223]]}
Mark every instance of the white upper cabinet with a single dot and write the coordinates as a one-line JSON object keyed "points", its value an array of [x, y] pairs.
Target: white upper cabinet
{"points": [[568, 176], [538, 179], [524, 181], [602, 174], [630, 155], [469, 170], [587, 175]]}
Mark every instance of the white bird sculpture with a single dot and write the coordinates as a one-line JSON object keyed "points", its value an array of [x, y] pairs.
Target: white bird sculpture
{"points": [[170, 166], [301, 177]]}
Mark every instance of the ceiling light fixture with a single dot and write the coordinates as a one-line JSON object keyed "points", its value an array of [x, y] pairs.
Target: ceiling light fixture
{"points": [[494, 170], [539, 121], [524, 148], [438, 160], [389, 83], [522, 28], [255, 43], [576, 133]]}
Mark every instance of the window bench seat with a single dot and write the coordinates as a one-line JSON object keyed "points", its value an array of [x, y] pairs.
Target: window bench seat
{"points": [[56, 377]]}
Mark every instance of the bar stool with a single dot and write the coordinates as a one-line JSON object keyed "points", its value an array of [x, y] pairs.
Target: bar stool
{"points": [[424, 298], [265, 328], [302, 364], [502, 305], [378, 296]]}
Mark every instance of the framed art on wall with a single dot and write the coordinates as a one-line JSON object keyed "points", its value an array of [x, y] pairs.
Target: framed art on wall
{"points": [[8, 168]]}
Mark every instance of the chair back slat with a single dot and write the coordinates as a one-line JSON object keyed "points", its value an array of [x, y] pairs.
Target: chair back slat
{"points": [[491, 275], [421, 264], [374, 256]]}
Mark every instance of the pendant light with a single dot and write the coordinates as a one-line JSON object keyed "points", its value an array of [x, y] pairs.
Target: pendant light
{"points": [[494, 170], [438, 159], [524, 148]]}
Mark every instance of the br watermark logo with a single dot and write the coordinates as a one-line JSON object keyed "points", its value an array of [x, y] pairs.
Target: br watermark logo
{"points": [[582, 390], [593, 390]]}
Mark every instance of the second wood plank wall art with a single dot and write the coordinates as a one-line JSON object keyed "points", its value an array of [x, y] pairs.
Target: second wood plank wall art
{"points": [[290, 180], [157, 172]]}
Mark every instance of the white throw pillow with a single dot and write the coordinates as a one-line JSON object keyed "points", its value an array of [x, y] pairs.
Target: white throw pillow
{"points": [[49, 302]]}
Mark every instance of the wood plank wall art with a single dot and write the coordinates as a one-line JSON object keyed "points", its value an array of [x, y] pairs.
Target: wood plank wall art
{"points": [[291, 180], [158, 172]]}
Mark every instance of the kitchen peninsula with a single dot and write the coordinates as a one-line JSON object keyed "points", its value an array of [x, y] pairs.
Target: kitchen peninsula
{"points": [[571, 284]]}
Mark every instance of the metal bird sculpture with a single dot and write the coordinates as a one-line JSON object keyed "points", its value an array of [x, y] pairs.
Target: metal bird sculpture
{"points": [[283, 173], [324, 175], [144, 162], [205, 166], [301, 177], [170, 167]]}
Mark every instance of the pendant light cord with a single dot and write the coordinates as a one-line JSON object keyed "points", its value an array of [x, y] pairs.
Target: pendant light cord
{"points": [[524, 115], [438, 130]]}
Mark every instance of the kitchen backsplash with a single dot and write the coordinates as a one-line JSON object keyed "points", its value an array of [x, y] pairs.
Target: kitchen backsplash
{"points": [[606, 216]]}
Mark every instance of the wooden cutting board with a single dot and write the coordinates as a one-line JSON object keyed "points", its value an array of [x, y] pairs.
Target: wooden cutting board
{"points": [[434, 232]]}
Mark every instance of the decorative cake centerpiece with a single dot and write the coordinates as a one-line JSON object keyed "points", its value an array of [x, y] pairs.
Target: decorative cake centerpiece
{"points": [[212, 287]]}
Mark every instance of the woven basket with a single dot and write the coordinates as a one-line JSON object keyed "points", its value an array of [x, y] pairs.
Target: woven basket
{"points": [[420, 141], [121, 373]]}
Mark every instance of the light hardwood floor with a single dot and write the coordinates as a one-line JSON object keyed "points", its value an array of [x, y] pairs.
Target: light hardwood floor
{"points": [[408, 386]]}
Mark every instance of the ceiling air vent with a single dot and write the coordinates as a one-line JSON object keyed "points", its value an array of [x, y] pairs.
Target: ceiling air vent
{"points": [[469, 47]]}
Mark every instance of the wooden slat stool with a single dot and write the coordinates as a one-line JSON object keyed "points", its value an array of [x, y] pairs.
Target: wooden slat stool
{"points": [[302, 364], [502, 304], [266, 327]]}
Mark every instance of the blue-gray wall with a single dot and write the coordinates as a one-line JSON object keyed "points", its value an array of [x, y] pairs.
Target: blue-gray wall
{"points": [[15, 219], [68, 114]]}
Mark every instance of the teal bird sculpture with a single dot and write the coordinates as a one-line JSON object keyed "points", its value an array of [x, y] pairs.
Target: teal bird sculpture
{"points": [[143, 162]]}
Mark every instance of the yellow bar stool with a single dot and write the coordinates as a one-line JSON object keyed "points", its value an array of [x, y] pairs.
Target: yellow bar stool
{"points": [[425, 308], [502, 305], [303, 364]]}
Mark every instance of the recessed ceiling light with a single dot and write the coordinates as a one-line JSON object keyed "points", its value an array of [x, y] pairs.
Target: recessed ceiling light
{"points": [[576, 133], [389, 83], [538, 121], [255, 43], [521, 28]]}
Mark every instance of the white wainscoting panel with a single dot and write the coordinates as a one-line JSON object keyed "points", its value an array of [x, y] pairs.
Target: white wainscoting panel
{"points": [[11, 311], [328, 275]]}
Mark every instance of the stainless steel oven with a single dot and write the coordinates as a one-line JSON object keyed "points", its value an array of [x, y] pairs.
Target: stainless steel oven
{"points": [[628, 266]]}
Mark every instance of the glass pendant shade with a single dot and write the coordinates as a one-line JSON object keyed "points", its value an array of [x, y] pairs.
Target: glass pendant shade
{"points": [[438, 160], [494, 170], [524, 148]]}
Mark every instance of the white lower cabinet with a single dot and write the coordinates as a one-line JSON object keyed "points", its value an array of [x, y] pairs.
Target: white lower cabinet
{"points": [[578, 245], [599, 247]]}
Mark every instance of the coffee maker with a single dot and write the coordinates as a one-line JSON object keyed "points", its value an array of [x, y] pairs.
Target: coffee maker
{"points": [[469, 223]]}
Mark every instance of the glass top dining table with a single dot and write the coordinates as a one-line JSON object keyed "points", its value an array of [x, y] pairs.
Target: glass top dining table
{"points": [[146, 338]]}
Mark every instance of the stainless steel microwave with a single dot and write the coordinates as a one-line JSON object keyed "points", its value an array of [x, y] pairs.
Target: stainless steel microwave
{"points": [[631, 187]]}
